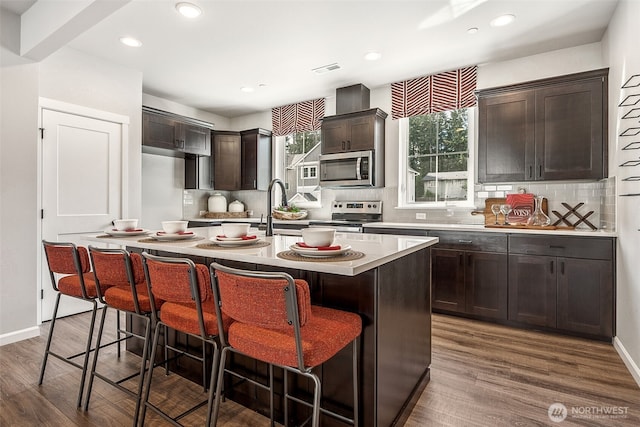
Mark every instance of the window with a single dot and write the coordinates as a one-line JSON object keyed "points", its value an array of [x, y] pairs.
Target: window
{"points": [[436, 166], [298, 167]]}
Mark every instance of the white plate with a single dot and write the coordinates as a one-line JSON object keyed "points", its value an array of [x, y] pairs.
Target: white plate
{"points": [[173, 236], [230, 239], [124, 233], [234, 242], [316, 253]]}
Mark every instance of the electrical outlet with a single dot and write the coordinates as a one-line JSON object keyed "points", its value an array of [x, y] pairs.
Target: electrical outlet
{"points": [[421, 215]]}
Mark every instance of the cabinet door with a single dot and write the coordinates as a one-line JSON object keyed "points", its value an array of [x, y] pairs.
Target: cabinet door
{"points": [[447, 286], [532, 289], [159, 131], [569, 131], [197, 172], [486, 284], [361, 135], [506, 139], [197, 139], [227, 161], [256, 159], [334, 136], [585, 296]]}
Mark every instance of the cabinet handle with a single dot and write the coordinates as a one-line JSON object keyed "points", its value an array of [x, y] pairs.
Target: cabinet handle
{"points": [[348, 145], [469, 260], [530, 171], [551, 267], [556, 247], [562, 267], [254, 183], [540, 171], [461, 260], [468, 242], [343, 145]]}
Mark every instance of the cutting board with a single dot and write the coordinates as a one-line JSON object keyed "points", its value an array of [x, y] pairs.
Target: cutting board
{"points": [[490, 218]]}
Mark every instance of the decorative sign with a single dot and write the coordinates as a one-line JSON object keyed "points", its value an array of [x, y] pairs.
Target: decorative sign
{"points": [[522, 206]]}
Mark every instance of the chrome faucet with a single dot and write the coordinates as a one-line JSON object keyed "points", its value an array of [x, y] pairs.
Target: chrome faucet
{"points": [[269, 231]]}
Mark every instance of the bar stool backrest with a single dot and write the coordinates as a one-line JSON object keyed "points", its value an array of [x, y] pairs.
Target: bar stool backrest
{"points": [[65, 259], [117, 267]]}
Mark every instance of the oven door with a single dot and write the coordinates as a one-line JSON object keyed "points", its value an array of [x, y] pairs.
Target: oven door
{"points": [[353, 169]]}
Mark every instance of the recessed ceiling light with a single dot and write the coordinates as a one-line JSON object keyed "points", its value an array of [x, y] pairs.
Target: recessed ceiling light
{"points": [[472, 30], [188, 10], [503, 20], [246, 89], [373, 56], [130, 41]]}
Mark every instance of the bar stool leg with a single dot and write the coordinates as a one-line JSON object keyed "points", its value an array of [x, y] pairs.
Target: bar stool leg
{"points": [[85, 364], [356, 406], [213, 382], [271, 395], [95, 358], [143, 368], [48, 346]]}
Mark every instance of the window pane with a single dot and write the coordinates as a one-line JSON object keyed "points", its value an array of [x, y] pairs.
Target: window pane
{"points": [[437, 157]]}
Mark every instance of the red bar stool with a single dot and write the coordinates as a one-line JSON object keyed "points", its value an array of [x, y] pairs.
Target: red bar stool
{"points": [[69, 268], [188, 307], [128, 293], [273, 321]]}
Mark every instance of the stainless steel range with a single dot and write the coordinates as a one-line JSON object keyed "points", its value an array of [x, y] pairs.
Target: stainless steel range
{"points": [[350, 216]]}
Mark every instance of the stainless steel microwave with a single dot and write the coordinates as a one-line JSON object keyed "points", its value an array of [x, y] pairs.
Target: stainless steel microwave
{"points": [[350, 169]]}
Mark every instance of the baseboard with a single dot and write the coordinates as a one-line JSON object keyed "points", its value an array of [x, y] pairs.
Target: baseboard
{"points": [[16, 336], [626, 358]]}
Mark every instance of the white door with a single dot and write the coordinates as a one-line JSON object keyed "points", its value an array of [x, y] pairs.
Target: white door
{"points": [[81, 186]]}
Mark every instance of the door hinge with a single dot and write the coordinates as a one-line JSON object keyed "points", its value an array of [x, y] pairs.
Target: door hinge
{"points": [[41, 133], [41, 293], [41, 213]]}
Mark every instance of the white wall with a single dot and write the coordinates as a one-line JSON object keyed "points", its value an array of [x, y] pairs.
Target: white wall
{"points": [[620, 47], [18, 210], [70, 77]]}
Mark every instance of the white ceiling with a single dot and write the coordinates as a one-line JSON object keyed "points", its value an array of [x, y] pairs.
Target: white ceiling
{"points": [[204, 62]]}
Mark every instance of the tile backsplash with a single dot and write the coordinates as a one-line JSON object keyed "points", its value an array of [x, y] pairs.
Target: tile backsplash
{"points": [[598, 196]]}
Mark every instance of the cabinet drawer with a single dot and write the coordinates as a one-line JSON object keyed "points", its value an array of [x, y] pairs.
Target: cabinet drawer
{"points": [[471, 241], [563, 246]]}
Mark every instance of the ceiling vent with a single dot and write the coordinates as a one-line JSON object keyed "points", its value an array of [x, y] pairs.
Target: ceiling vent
{"points": [[326, 68]]}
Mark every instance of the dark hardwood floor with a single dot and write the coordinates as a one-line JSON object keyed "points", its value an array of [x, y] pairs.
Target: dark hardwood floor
{"points": [[482, 375]]}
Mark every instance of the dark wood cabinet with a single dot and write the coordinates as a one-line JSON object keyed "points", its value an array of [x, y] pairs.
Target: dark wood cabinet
{"points": [[469, 274], [532, 290], [197, 172], [565, 283], [166, 134], [227, 160], [551, 129], [256, 159], [242, 160], [359, 131]]}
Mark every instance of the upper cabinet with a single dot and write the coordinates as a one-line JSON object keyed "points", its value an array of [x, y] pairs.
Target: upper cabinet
{"points": [[362, 130], [552, 129], [227, 160], [166, 134], [256, 159], [242, 160]]}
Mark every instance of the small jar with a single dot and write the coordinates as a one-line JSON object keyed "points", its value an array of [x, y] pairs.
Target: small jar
{"points": [[217, 203], [236, 206]]}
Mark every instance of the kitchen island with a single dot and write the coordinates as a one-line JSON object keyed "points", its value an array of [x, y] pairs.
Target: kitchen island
{"points": [[389, 287]]}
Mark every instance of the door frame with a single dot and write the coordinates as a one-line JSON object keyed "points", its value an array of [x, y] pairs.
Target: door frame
{"points": [[78, 110]]}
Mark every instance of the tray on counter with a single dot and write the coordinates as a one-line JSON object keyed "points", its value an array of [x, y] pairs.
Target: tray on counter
{"points": [[529, 227], [220, 215]]}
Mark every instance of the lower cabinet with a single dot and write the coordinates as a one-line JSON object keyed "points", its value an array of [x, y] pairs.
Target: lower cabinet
{"points": [[469, 274], [566, 283]]}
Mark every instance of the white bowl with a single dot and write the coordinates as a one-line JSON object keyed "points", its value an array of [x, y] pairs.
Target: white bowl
{"points": [[125, 224], [173, 227], [318, 236], [235, 229]]}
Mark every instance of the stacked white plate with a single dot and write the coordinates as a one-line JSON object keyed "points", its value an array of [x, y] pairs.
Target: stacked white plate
{"points": [[235, 241], [319, 253]]}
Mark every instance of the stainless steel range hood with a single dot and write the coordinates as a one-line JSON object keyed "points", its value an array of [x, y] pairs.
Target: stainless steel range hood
{"points": [[353, 98]]}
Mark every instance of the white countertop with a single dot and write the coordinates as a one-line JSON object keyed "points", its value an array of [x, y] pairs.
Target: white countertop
{"points": [[379, 249]]}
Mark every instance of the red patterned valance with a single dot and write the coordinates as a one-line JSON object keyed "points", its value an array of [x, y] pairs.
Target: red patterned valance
{"points": [[450, 90], [299, 117]]}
